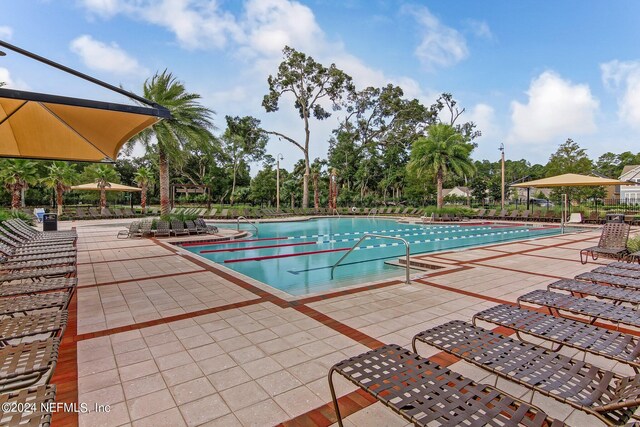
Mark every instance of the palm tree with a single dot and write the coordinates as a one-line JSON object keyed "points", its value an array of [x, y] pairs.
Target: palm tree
{"points": [[60, 176], [17, 174], [143, 177], [443, 150], [190, 122], [103, 175]]}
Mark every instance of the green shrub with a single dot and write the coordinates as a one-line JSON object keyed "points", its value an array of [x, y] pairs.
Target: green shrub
{"points": [[634, 244], [7, 214], [450, 210]]}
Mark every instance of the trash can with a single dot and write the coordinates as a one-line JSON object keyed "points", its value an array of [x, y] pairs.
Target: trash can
{"points": [[50, 222], [615, 217]]}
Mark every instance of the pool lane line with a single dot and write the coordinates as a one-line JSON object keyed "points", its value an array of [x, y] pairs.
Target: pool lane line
{"points": [[409, 234], [359, 248], [260, 258], [226, 242], [248, 248]]}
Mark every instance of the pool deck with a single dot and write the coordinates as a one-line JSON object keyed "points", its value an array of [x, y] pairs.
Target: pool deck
{"points": [[165, 338]]}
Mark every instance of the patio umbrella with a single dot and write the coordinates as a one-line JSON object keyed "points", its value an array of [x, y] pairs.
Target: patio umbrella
{"points": [[572, 180], [41, 126], [92, 186]]}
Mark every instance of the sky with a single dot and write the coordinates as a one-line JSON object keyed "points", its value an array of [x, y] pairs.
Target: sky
{"points": [[530, 74]]}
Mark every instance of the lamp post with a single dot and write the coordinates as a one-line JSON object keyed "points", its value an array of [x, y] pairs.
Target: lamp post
{"points": [[278, 158], [502, 180]]}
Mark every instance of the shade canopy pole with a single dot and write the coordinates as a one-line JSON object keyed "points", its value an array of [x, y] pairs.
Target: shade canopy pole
{"points": [[80, 75]]}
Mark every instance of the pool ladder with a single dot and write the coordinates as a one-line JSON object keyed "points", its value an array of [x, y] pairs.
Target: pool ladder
{"points": [[379, 236], [247, 221]]}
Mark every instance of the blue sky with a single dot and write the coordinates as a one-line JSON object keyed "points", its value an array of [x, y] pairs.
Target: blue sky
{"points": [[530, 73]]}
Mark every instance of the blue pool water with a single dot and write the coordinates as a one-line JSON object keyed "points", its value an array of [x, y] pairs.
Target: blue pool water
{"points": [[317, 244]]}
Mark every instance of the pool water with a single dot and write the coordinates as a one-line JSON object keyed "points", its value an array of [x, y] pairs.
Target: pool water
{"points": [[296, 257]]}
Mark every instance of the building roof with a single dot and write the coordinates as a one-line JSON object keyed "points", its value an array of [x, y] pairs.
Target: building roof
{"points": [[629, 168]]}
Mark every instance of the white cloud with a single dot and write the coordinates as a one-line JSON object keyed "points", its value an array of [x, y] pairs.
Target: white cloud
{"points": [[441, 46], [556, 109], [6, 32], [105, 57], [195, 23], [624, 77], [483, 115], [479, 29], [5, 77]]}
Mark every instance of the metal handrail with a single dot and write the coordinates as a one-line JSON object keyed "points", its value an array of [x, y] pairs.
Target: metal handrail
{"points": [[378, 236], [373, 211], [247, 221], [335, 212]]}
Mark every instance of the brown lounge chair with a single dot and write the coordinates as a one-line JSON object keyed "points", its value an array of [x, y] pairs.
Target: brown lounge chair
{"points": [[202, 225], [424, 392], [49, 285], [25, 364], [41, 397], [41, 263], [52, 323], [579, 288], [23, 304], [177, 228], [604, 394], [7, 254], [38, 273], [613, 243], [132, 231], [609, 279], [615, 271], [162, 229], [582, 306], [592, 339]]}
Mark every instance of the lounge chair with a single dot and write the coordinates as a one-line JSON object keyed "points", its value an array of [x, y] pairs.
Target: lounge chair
{"points": [[525, 214], [25, 304], [592, 339], [480, 213], [15, 329], [609, 279], [428, 219], [41, 397], [224, 213], [502, 215], [579, 288], [48, 285], [14, 266], [514, 215], [423, 392], [145, 228], [6, 254], [604, 394], [624, 265], [38, 273], [593, 218], [586, 307], [177, 228], [25, 245], [202, 225], [491, 214], [24, 250], [106, 213], [535, 215], [192, 229], [118, 213], [615, 271], [162, 229], [25, 364], [94, 213], [82, 213], [613, 243], [25, 232], [132, 231], [575, 218], [211, 213]]}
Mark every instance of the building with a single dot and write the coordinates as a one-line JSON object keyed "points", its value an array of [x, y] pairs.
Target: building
{"points": [[630, 193], [456, 192]]}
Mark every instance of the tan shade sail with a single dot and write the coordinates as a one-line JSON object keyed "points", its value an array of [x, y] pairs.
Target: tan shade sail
{"points": [[40, 126], [92, 186], [572, 180]]}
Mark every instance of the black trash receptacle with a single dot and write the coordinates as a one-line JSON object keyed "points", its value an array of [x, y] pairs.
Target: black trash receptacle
{"points": [[50, 222], [615, 217]]}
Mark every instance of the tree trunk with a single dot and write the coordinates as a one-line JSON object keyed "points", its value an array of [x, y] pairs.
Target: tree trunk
{"points": [[439, 179], [143, 199], [15, 198], [59, 199], [103, 198], [22, 197], [307, 168], [316, 195], [292, 201], [233, 185], [164, 182]]}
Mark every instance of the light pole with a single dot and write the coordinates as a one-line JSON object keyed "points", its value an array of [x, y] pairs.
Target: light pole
{"points": [[278, 158], [502, 180]]}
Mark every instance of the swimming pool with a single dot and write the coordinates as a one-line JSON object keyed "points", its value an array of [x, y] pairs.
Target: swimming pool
{"points": [[296, 257]]}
